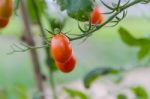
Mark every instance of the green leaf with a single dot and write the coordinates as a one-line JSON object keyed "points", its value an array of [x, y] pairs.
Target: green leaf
{"points": [[127, 38], [77, 9], [76, 93], [144, 48], [140, 92], [56, 23], [80, 10], [94, 74], [144, 42], [143, 52], [121, 96]]}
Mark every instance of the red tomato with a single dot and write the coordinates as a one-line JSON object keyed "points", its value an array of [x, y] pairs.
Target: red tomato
{"points": [[96, 16], [3, 22], [6, 8], [67, 66], [60, 48]]}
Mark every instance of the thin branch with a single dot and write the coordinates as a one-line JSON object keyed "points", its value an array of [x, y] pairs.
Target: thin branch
{"points": [[114, 15], [34, 55], [24, 47]]}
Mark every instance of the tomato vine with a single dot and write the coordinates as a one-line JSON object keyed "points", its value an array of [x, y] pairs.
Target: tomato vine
{"points": [[115, 11]]}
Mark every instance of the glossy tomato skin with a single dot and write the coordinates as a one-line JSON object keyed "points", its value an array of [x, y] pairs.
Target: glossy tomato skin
{"points": [[60, 48], [6, 8], [3, 22], [67, 66], [96, 16]]}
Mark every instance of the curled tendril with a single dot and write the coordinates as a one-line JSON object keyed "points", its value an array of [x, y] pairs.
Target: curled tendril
{"points": [[107, 6], [87, 27], [114, 7], [117, 19], [82, 30]]}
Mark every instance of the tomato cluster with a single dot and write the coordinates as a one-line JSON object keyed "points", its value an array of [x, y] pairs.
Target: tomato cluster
{"points": [[61, 51], [96, 16], [6, 8]]}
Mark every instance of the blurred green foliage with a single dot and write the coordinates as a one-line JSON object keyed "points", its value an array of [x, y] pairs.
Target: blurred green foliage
{"points": [[140, 92]]}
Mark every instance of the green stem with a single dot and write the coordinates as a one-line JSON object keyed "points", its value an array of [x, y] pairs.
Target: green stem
{"points": [[108, 20], [46, 49]]}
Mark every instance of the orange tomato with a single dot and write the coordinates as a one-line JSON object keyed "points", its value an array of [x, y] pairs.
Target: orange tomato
{"points": [[60, 48], [96, 16], [6, 8], [67, 66], [3, 22]]}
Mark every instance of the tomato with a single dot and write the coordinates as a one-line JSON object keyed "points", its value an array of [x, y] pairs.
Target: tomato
{"points": [[96, 16], [67, 66], [3, 22], [60, 48], [6, 8]]}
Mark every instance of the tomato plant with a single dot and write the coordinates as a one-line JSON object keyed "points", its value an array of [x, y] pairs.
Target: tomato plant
{"points": [[67, 66], [58, 49], [61, 48]]}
